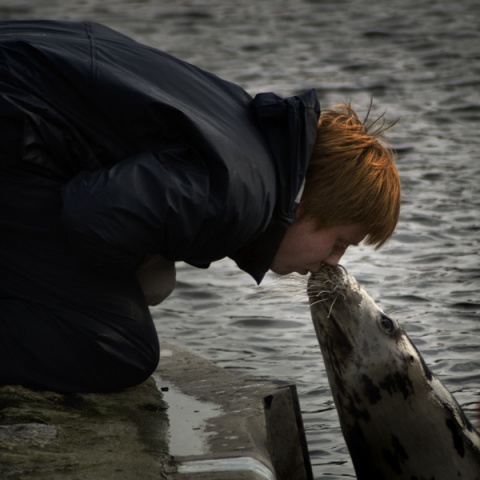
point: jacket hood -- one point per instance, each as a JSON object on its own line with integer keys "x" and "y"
{"x": 290, "y": 127}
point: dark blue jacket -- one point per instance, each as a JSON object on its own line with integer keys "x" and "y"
{"x": 155, "y": 155}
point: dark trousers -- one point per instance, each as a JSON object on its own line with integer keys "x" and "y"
{"x": 63, "y": 326}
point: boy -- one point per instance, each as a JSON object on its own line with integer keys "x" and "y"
{"x": 119, "y": 160}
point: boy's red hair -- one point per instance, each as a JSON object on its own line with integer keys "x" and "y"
{"x": 352, "y": 177}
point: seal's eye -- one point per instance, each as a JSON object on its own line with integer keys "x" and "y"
{"x": 386, "y": 324}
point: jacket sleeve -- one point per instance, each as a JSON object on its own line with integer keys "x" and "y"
{"x": 152, "y": 202}
{"x": 155, "y": 155}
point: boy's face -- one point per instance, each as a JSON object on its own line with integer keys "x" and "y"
{"x": 304, "y": 249}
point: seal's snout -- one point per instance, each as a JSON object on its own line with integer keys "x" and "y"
{"x": 327, "y": 273}
{"x": 330, "y": 271}
{"x": 327, "y": 281}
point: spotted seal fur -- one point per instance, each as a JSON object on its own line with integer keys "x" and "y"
{"x": 398, "y": 420}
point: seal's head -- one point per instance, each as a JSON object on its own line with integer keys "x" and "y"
{"x": 352, "y": 328}
{"x": 398, "y": 420}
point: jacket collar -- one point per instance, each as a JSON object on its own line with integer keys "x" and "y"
{"x": 290, "y": 128}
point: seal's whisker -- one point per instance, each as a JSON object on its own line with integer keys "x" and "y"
{"x": 290, "y": 286}
{"x": 322, "y": 292}
{"x": 292, "y": 296}
{"x": 320, "y": 300}
{"x": 316, "y": 291}
{"x": 331, "y": 307}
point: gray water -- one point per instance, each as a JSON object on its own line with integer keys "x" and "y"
{"x": 419, "y": 61}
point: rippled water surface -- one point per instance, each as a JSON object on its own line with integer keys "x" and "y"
{"x": 419, "y": 61}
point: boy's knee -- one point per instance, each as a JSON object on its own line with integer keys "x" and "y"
{"x": 71, "y": 352}
{"x": 125, "y": 366}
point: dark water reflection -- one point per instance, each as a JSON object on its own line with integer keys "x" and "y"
{"x": 419, "y": 60}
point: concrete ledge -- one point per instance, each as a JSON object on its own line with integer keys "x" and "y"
{"x": 191, "y": 420}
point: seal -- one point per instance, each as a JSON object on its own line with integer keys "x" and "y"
{"x": 398, "y": 420}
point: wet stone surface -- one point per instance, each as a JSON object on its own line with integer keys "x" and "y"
{"x": 54, "y": 436}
